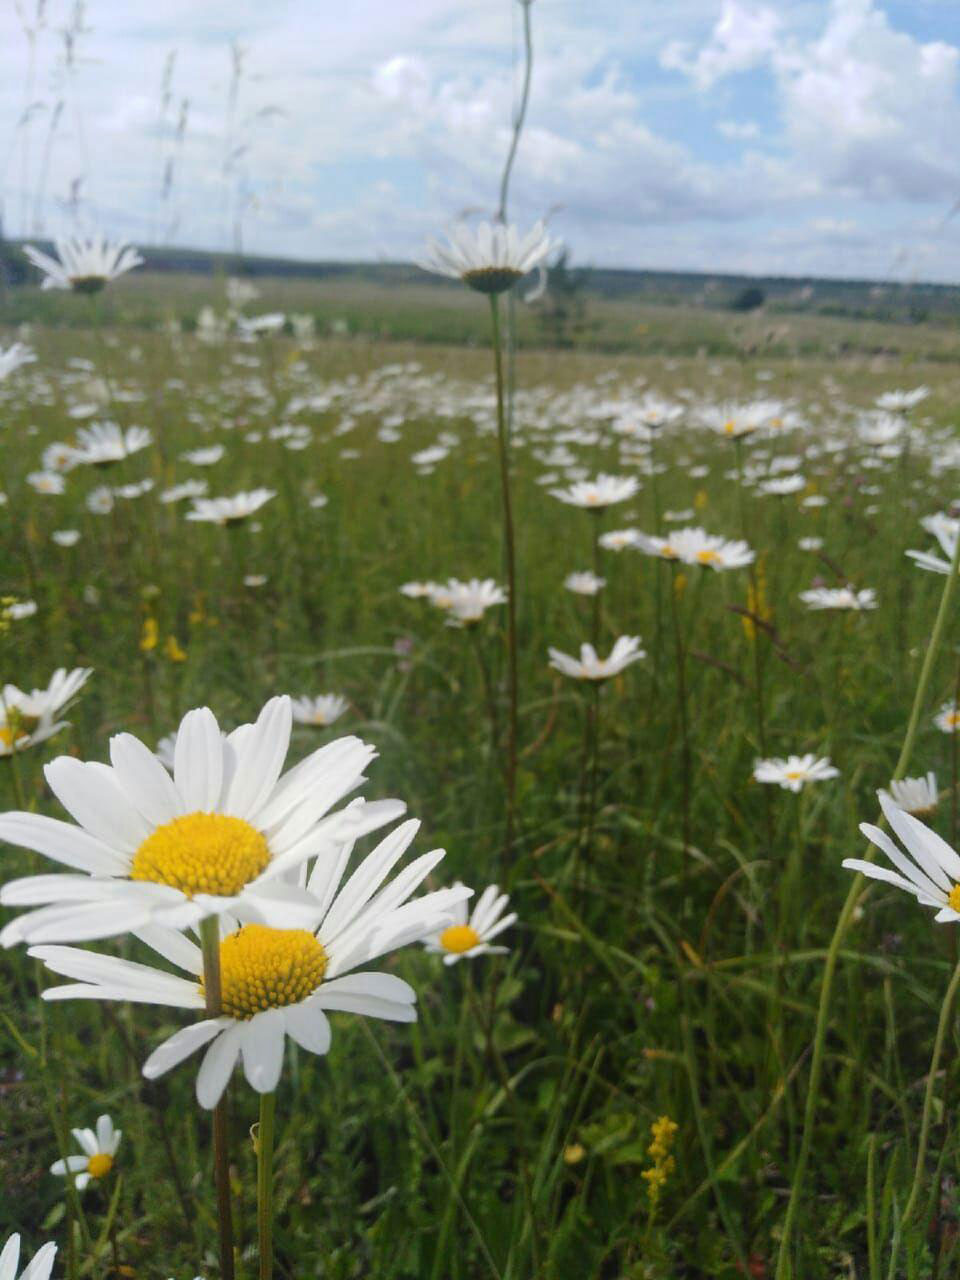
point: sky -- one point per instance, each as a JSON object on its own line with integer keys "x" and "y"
{"x": 791, "y": 137}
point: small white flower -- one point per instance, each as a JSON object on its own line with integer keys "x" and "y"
{"x": 591, "y": 667}
{"x": 27, "y": 719}
{"x": 584, "y": 584}
{"x": 13, "y": 358}
{"x": 781, "y": 486}
{"x": 839, "y": 598}
{"x": 320, "y": 711}
{"x": 795, "y": 772}
{"x": 189, "y": 489}
{"x": 597, "y": 495}
{"x": 466, "y": 602}
{"x": 620, "y": 539}
{"x": 104, "y": 443}
{"x": 230, "y": 511}
{"x": 99, "y": 1149}
{"x": 51, "y": 482}
{"x": 204, "y": 457}
{"x": 902, "y": 401}
{"x": 65, "y": 537}
{"x": 915, "y": 795}
{"x": 947, "y": 718}
{"x": 466, "y": 938}
{"x": 810, "y": 544}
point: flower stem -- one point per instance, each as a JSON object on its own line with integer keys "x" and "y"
{"x": 946, "y": 1010}
{"x": 784, "y": 1268}
{"x": 268, "y": 1105}
{"x": 210, "y": 938}
{"x": 509, "y": 554}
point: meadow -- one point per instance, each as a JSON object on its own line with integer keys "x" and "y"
{"x": 675, "y": 917}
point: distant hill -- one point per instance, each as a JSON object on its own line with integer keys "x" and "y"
{"x": 858, "y": 299}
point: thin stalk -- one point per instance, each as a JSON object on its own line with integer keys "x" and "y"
{"x": 946, "y": 1010}
{"x": 681, "y": 660}
{"x": 265, "y": 1132}
{"x": 595, "y": 616}
{"x": 591, "y": 752}
{"x": 510, "y": 558}
{"x": 521, "y": 110}
{"x": 210, "y": 939}
{"x": 784, "y": 1268}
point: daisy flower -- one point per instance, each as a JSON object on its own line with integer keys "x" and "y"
{"x": 17, "y": 610}
{"x": 795, "y": 772}
{"x": 51, "y": 482}
{"x": 230, "y": 511}
{"x": 902, "y": 401}
{"x": 99, "y": 501}
{"x": 465, "y": 938}
{"x": 839, "y": 598}
{"x": 14, "y": 358}
{"x": 278, "y": 982}
{"x": 27, "y": 719}
{"x": 591, "y": 667}
{"x": 38, "y": 1268}
{"x": 738, "y": 420}
{"x": 915, "y": 795}
{"x": 597, "y": 495}
{"x": 99, "y": 1149}
{"x": 84, "y": 266}
{"x": 947, "y": 718}
{"x": 697, "y": 547}
{"x": 584, "y": 584}
{"x": 467, "y": 602}
{"x": 490, "y": 258}
{"x": 620, "y": 539}
{"x": 931, "y": 872}
{"x": 204, "y": 457}
{"x": 65, "y": 537}
{"x": 321, "y": 710}
{"x": 220, "y": 835}
{"x": 418, "y": 590}
{"x": 189, "y": 489}
{"x": 946, "y": 531}
{"x": 781, "y": 486}
{"x": 104, "y": 443}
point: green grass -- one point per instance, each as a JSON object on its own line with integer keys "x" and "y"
{"x": 683, "y": 982}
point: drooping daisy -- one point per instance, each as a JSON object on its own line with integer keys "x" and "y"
{"x": 491, "y": 257}
{"x": 839, "y": 598}
{"x": 27, "y": 719}
{"x": 84, "y": 266}
{"x": 597, "y": 495}
{"x": 189, "y": 489}
{"x": 204, "y": 457}
{"x": 230, "y": 511}
{"x": 320, "y": 711}
{"x": 104, "y": 443}
{"x": 931, "y": 872}
{"x": 795, "y": 772}
{"x": 38, "y": 1268}
{"x": 902, "y": 401}
{"x": 15, "y": 356}
{"x": 915, "y": 795}
{"x": 591, "y": 667}
{"x": 282, "y": 981}
{"x": 220, "y": 835}
{"x": 466, "y": 938}
{"x": 584, "y": 584}
{"x": 99, "y": 1149}
{"x": 465, "y": 603}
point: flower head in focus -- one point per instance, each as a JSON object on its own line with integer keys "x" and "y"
{"x": 929, "y": 869}
{"x": 85, "y": 266}
{"x": 491, "y": 257}
{"x": 467, "y": 937}
{"x": 793, "y": 773}
{"x": 591, "y": 667}
{"x": 99, "y": 1149}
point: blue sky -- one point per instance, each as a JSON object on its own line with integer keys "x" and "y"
{"x": 815, "y": 136}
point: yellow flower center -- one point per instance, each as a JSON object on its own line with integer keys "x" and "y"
{"x": 17, "y": 729}
{"x": 794, "y": 775}
{"x": 730, "y": 426}
{"x": 202, "y": 853}
{"x": 263, "y": 968}
{"x": 459, "y": 938}
{"x": 99, "y": 1166}
{"x": 953, "y": 898}
{"x": 668, "y": 552}
{"x": 707, "y": 556}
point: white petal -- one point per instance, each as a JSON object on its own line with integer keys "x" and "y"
{"x": 307, "y": 1024}
{"x": 198, "y": 761}
{"x": 260, "y": 759}
{"x": 261, "y": 1043}
{"x": 91, "y": 794}
{"x": 40, "y": 1265}
{"x": 180, "y": 1046}
{"x": 144, "y": 779}
{"x": 218, "y": 1063}
{"x": 63, "y": 842}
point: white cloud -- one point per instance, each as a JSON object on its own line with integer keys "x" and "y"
{"x": 744, "y": 36}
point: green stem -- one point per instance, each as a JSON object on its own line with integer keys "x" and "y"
{"x": 268, "y": 1105}
{"x": 510, "y": 557}
{"x": 784, "y": 1269}
{"x": 210, "y": 939}
{"x": 946, "y": 1010}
